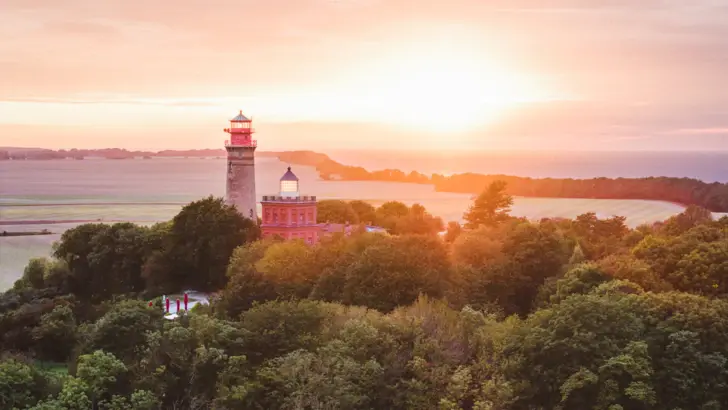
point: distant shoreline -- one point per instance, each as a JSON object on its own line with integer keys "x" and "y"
{"x": 32, "y": 233}
{"x": 682, "y": 191}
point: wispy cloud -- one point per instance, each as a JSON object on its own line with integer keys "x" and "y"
{"x": 701, "y": 131}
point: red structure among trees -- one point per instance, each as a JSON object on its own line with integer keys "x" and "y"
{"x": 288, "y": 214}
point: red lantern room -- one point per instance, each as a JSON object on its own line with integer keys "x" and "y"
{"x": 241, "y": 132}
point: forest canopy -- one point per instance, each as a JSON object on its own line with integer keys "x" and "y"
{"x": 505, "y": 313}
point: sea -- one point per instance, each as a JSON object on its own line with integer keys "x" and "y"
{"x": 59, "y": 194}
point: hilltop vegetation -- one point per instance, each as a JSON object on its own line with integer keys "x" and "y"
{"x": 503, "y": 314}
{"x": 685, "y": 191}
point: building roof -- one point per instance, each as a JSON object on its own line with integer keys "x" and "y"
{"x": 240, "y": 117}
{"x": 289, "y": 176}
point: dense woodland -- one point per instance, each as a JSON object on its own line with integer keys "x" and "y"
{"x": 686, "y": 191}
{"x": 502, "y": 313}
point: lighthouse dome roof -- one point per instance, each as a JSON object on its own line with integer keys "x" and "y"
{"x": 289, "y": 176}
{"x": 240, "y": 117}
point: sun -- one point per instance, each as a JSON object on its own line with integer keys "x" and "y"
{"x": 440, "y": 89}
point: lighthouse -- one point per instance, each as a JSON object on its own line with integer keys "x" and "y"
{"x": 240, "y": 186}
{"x": 288, "y": 214}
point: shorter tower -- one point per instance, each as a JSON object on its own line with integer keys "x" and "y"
{"x": 288, "y": 214}
{"x": 240, "y": 185}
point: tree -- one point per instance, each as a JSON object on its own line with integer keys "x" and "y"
{"x": 581, "y": 279}
{"x": 198, "y": 246}
{"x": 33, "y": 274}
{"x": 327, "y": 378}
{"x": 535, "y": 253}
{"x": 55, "y": 337}
{"x": 389, "y": 213}
{"x": 290, "y": 268}
{"x": 490, "y": 208}
{"x": 627, "y": 267}
{"x": 478, "y": 248}
{"x": 365, "y": 212}
{"x": 453, "y": 231}
{"x": 246, "y": 285}
{"x": 21, "y": 385}
{"x": 704, "y": 270}
{"x": 102, "y": 373}
{"x": 691, "y": 217}
{"x": 75, "y": 247}
{"x": 394, "y": 272}
{"x": 417, "y": 222}
{"x": 277, "y": 328}
{"x": 104, "y": 260}
{"x": 585, "y": 332}
{"x": 333, "y": 258}
{"x": 121, "y": 331}
{"x": 506, "y": 267}
{"x": 335, "y": 211}
{"x": 599, "y": 237}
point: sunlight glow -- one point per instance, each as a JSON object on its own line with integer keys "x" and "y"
{"x": 441, "y": 88}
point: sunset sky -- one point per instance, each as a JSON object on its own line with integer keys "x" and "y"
{"x": 366, "y": 74}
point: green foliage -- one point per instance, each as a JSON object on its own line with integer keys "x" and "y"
{"x": 21, "y": 385}
{"x": 579, "y": 280}
{"x": 290, "y": 267}
{"x": 105, "y": 260}
{"x": 560, "y": 314}
{"x": 365, "y": 212}
{"x": 33, "y": 274}
{"x": 478, "y": 248}
{"x": 509, "y": 272}
{"x": 396, "y": 217}
{"x": 394, "y": 272}
{"x": 691, "y": 217}
{"x": 490, "y": 208}
{"x": 276, "y": 328}
{"x": 453, "y": 231}
{"x": 599, "y": 237}
{"x": 328, "y": 378}
{"x": 417, "y": 221}
{"x": 100, "y": 373}
{"x": 246, "y": 285}
{"x": 123, "y": 329}
{"x": 198, "y": 246}
{"x": 335, "y": 211}
{"x": 55, "y": 336}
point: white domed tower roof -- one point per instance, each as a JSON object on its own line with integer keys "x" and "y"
{"x": 289, "y": 184}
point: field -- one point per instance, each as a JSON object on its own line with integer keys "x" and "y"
{"x": 155, "y": 190}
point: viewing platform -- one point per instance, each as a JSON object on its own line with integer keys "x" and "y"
{"x": 251, "y": 143}
{"x": 239, "y": 130}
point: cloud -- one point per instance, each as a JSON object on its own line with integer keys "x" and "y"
{"x": 702, "y": 131}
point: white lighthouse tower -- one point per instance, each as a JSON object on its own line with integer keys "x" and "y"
{"x": 240, "y": 188}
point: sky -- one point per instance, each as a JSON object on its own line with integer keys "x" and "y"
{"x": 366, "y": 74}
